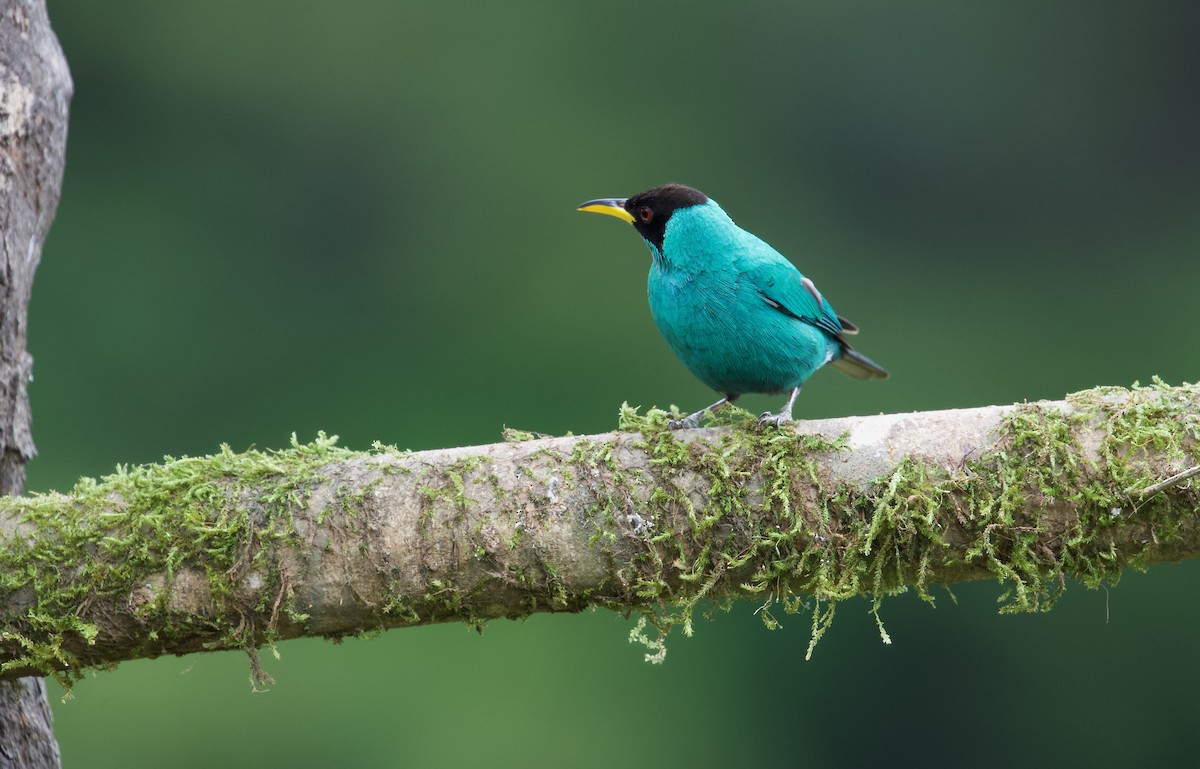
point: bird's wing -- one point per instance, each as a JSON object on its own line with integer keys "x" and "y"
{"x": 790, "y": 292}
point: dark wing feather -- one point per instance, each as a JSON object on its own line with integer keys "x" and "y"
{"x": 793, "y": 294}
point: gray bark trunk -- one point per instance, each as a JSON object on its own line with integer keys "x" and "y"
{"x": 35, "y": 89}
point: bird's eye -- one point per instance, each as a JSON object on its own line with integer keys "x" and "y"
{"x": 645, "y": 214}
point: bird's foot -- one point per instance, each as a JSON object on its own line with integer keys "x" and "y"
{"x": 774, "y": 420}
{"x": 692, "y": 421}
{"x": 689, "y": 422}
{"x": 783, "y": 417}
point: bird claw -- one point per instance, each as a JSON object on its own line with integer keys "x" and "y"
{"x": 687, "y": 423}
{"x": 775, "y": 420}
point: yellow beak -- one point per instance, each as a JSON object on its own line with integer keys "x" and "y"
{"x": 611, "y": 206}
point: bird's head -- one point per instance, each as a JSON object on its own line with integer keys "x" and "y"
{"x": 649, "y": 211}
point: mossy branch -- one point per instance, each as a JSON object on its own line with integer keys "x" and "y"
{"x": 238, "y": 550}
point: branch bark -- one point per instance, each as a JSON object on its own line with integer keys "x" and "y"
{"x": 240, "y": 550}
{"x": 35, "y": 89}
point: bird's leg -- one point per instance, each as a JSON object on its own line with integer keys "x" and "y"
{"x": 784, "y": 415}
{"x": 693, "y": 420}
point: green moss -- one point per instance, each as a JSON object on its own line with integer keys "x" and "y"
{"x": 222, "y": 512}
{"x": 353, "y": 500}
{"x": 694, "y": 546}
{"x": 1041, "y": 465}
{"x": 513, "y": 435}
{"x": 827, "y": 542}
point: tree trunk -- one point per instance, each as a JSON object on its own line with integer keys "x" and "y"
{"x": 35, "y": 89}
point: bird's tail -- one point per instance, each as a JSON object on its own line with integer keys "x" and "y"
{"x": 857, "y": 365}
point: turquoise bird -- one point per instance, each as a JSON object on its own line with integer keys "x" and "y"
{"x": 738, "y": 314}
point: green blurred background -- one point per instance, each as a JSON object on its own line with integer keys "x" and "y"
{"x": 359, "y": 217}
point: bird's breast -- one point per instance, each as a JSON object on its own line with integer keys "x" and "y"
{"x": 728, "y": 336}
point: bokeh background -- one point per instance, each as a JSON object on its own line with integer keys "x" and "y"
{"x": 359, "y": 217}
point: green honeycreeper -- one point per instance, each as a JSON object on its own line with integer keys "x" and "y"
{"x": 738, "y": 314}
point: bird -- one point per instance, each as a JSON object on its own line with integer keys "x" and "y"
{"x": 736, "y": 312}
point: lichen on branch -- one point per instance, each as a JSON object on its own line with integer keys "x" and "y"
{"x": 240, "y": 550}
